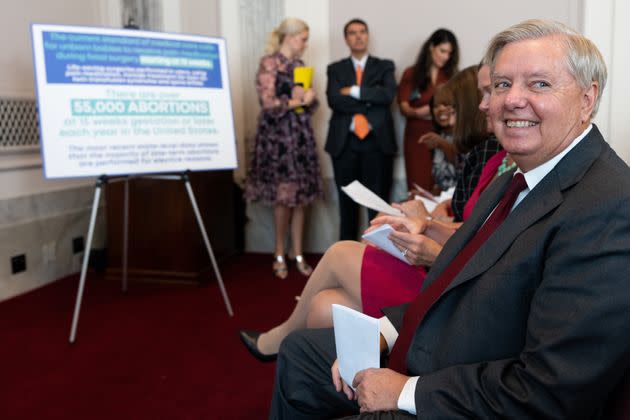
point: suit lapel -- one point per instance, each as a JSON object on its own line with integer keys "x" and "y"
{"x": 348, "y": 72}
{"x": 541, "y": 200}
{"x": 546, "y": 196}
{"x": 487, "y": 201}
{"x": 368, "y": 71}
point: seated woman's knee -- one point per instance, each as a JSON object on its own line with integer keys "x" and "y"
{"x": 320, "y": 312}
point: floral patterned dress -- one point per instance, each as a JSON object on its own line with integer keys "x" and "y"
{"x": 284, "y": 168}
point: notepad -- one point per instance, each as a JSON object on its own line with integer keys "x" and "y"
{"x": 380, "y": 238}
{"x": 357, "y": 340}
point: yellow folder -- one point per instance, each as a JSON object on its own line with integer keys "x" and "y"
{"x": 303, "y": 76}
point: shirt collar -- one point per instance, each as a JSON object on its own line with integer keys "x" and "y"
{"x": 360, "y": 62}
{"x": 534, "y": 176}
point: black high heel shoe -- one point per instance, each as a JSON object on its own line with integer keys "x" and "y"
{"x": 250, "y": 340}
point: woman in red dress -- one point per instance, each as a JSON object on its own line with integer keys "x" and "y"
{"x": 436, "y": 63}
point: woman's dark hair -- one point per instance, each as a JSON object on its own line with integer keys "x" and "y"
{"x": 421, "y": 76}
{"x": 470, "y": 123}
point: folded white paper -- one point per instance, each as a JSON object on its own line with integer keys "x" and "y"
{"x": 431, "y": 204}
{"x": 360, "y": 194}
{"x": 380, "y": 238}
{"x": 357, "y": 340}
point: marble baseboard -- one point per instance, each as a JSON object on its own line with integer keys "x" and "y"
{"x": 42, "y": 228}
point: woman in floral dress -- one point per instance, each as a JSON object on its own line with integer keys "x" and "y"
{"x": 284, "y": 170}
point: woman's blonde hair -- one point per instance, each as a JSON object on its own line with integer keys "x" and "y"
{"x": 289, "y": 26}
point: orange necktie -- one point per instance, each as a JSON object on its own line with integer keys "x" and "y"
{"x": 361, "y": 126}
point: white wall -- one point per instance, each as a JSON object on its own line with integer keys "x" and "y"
{"x": 200, "y": 17}
{"x": 16, "y": 78}
{"x": 605, "y": 22}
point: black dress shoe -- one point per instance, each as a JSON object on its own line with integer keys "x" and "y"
{"x": 250, "y": 339}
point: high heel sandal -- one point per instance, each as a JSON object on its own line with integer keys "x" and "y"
{"x": 279, "y": 266}
{"x": 302, "y": 266}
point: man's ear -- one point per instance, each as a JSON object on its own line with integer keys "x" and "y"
{"x": 589, "y": 97}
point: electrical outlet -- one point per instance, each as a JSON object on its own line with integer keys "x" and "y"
{"x": 18, "y": 263}
{"x": 77, "y": 245}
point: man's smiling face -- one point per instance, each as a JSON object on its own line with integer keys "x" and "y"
{"x": 537, "y": 107}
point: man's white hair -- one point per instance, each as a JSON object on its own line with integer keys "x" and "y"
{"x": 583, "y": 59}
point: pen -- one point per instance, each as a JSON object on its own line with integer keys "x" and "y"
{"x": 424, "y": 192}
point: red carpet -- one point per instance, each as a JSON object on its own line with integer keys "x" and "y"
{"x": 157, "y": 352}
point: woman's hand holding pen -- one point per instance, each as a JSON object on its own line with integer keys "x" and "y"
{"x": 412, "y": 208}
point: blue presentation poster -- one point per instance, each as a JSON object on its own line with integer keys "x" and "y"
{"x": 120, "y": 102}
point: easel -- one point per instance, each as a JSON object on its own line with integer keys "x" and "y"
{"x": 100, "y": 183}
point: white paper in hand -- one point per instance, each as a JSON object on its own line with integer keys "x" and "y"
{"x": 360, "y": 194}
{"x": 357, "y": 340}
{"x": 431, "y": 203}
{"x": 380, "y": 238}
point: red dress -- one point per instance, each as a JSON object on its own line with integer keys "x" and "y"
{"x": 387, "y": 281}
{"x": 418, "y": 159}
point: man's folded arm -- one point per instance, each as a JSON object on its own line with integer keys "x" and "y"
{"x": 382, "y": 94}
{"x": 339, "y": 102}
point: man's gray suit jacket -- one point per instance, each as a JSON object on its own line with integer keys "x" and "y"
{"x": 537, "y": 324}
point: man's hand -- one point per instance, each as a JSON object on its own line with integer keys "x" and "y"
{"x": 339, "y": 383}
{"x": 345, "y": 90}
{"x": 378, "y": 389}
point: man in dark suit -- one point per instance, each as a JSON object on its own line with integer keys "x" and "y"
{"x": 361, "y": 139}
{"x": 525, "y": 317}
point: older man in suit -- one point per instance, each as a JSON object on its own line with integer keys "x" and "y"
{"x": 525, "y": 312}
{"x": 361, "y": 139}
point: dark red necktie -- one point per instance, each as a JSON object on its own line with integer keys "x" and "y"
{"x": 419, "y": 307}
